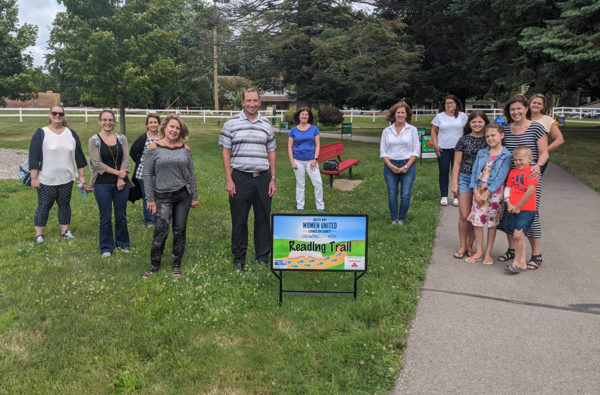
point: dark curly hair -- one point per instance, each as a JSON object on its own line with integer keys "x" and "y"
{"x": 311, "y": 119}
{"x": 457, "y": 109}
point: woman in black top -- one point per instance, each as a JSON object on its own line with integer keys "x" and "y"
{"x": 465, "y": 153}
{"x": 109, "y": 159}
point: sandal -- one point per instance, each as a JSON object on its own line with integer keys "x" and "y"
{"x": 514, "y": 269}
{"x": 148, "y": 274}
{"x": 535, "y": 262}
{"x": 176, "y": 271}
{"x": 472, "y": 259}
{"x": 508, "y": 255}
{"x": 459, "y": 255}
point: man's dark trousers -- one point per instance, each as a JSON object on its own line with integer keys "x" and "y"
{"x": 250, "y": 191}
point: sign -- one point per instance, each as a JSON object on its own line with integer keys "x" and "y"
{"x": 427, "y": 151}
{"x": 347, "y": 130}
{"x": 561, "y": 122}
{"x": 421, "y": 132}
{"x": 283, "y": 126}
{"x": 319, "y": 242}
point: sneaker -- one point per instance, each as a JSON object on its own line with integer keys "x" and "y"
{"x": 444, "y": 201}
{"x": 300, "y": 209}
{"x": 125, "y": 250}
{"x": 455, "y": 202}
{"x": 39, "y": 239}
{"x": 322, "y": 210}
{"x": 106, "y": 255}
{"x": 68, "y": 235}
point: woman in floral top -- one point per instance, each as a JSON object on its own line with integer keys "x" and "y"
{"x": 464, "y": 157}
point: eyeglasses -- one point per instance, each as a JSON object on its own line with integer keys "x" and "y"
{"x": 60, "y": 114}
{"x": 106, "y": 120}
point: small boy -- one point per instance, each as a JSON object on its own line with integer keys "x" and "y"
{"x": 519, "y": 195}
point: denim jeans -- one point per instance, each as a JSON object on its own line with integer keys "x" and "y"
{"x": 108, "y": 195}
{"x": 445, "y": 161}
{"x": 169, "y": 207}
{"x": 148, "y": 217}
{"x": 406, "y": 181}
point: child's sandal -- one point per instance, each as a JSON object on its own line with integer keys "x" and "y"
{"x": 535, "y": 262}
{"x": 509, "y": 255}
{"x": 176, "y": 271}
{"x": 148, "y": 274}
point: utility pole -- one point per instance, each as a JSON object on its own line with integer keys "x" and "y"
{"x": 216, "y": 58}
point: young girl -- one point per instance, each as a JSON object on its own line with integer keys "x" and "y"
{"x": 487, "y": 180}
{"x": 464, "y": 157}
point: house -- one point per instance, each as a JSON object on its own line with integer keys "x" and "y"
{"x": 44, "y": 100}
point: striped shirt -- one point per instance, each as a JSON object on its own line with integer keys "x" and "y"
{"x": 249, "y": 142}
{"x": 139, "y": 174}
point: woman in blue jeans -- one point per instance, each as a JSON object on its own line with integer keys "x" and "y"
{"x": 109, "y": 163}
{"x": 400, "y": 148}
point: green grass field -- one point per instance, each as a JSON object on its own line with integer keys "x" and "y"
{"x": 74, "y": 323}
{"x": 579, "y": 156}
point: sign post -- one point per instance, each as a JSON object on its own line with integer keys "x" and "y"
{"x": 346, "y": 130}
{"x": 319, "y": 243}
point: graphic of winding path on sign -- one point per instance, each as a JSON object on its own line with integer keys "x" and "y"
{"x": 314, "y": 260}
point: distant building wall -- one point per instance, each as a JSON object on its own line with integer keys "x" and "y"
{"x": 44, "y": 100}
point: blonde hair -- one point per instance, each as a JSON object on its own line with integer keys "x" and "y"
{"x": 184, "y": 131}
{"x": 522, "y": 149}
{"x": 391, "y": 116}
{"x": 64, "y": 122}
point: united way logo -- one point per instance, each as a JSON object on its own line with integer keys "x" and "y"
{"x": 280, "y": 264}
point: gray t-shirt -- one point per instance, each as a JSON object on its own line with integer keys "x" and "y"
{"x": 169, "y": 170}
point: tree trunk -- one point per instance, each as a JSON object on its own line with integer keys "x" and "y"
{"x": 122, "y": 114}
{"x": 540, "y": 80}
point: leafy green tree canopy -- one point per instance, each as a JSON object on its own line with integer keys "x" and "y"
{"x": 117, "y": 52}
{"x": 18, "y": 79}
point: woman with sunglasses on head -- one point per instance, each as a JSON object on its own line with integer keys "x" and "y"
{"x": 109, "y": 159}
{"x": 171, "y": 189}
{"x": 138, "y": 152}
{"x": 447, "y": 128}
{"x": 55, "y": 161}
{"x": 537, "y": 108}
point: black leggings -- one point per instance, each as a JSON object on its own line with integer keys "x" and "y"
{"x": 47, "y": 195}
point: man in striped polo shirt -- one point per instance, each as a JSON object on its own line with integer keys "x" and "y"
{"x": 248, "y": 142}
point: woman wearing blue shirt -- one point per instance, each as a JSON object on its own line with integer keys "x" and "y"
{"x": 303, "y": 150}
{"x": 400, "y": 148}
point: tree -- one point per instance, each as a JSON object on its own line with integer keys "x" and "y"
{"x": 18, "y": 79}
{"x": 572, "y": 43}
{"x": 116, "y": 52}
{"x": 330, "y": 53}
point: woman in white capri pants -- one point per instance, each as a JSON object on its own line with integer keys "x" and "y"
{"x": 303, "y": 149}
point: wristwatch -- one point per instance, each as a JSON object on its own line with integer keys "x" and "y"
{"x": 317, "y": 159}
{"x": 507, "y": 199}
{"x": 406, "y": 167}
{"x": 121, "y": 178}
{"x": 273, "y": 177}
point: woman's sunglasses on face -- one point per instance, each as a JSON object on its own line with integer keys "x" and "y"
{"x": 60, "y": 114}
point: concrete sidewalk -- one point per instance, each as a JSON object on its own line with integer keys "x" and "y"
{"x": 481, "y": 330}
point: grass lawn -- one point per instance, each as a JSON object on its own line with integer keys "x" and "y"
{"x": 579, "y": 156}
{"x": 74, "y": 323}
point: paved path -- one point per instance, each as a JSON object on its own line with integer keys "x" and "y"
{"x": 481, "y": 330}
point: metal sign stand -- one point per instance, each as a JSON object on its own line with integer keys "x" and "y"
{"x": 284, "y": 291}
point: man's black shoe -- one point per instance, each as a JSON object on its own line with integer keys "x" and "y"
{"x": 265, "y": 264}
{"x": 239, "y": 266}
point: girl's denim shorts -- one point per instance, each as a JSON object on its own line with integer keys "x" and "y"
{"x": 464, "y": 180}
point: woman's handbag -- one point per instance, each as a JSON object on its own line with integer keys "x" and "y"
{"x": 331, "y": 165}
{"x": 24, "y": 174}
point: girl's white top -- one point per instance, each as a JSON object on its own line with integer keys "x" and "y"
{"x": 400, "y": 146}
{"x": 58, "y": 166}
{"x": 451, "y": 129}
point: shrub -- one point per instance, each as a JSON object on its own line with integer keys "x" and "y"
{"x": 331, "y": 116}
{"x": 288, "y": 116}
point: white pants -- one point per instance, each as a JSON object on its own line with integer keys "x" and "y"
{"x": 315, "y": 178}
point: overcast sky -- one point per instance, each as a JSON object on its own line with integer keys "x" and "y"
{"x": 40, "y": 13}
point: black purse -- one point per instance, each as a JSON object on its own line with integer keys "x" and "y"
{"x": 331, "y": 165}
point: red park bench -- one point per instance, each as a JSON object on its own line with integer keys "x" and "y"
{"x": 330, "y": 151}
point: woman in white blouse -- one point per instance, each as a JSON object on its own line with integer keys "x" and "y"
{"x": 400, "y": 148}
{"x": 55, "y": 161}
{"x": 446, "y": 130}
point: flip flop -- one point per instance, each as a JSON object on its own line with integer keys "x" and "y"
{"x": 473, "y": 260}
{"x": 486, "y": 262}
{"x": 514, "y": 269}
{"x": 462, "y": 255}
